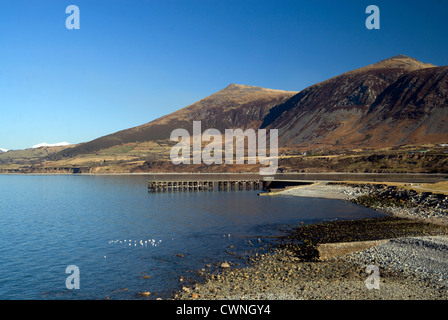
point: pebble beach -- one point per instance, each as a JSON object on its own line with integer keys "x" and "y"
{"x": 408, "y": 247}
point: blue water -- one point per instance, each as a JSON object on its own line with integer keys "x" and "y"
{"x": 116, "y": 232}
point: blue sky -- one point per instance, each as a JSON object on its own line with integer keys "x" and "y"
{"x": 133, "y": 61}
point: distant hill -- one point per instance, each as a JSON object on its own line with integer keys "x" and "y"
{"x": 29, "y": 155}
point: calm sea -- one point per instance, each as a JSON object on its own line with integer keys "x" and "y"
{"x": 125, "y": 240}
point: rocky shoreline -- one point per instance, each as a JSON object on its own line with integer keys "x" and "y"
{"x": 428, "y": 206}
{"x": 411, "y": 259}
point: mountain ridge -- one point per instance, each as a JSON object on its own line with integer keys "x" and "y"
{"x": 398, "y": 101}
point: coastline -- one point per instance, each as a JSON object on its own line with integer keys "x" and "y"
{"x": 315, "y": 190}
{"x": 328, "y": 261}
{"x": 402, "y": 200}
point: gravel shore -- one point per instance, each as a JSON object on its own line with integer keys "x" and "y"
{"x": 412, "y": 262}
{"x": 424, "y": 257}
{"x": 281, "y": 276}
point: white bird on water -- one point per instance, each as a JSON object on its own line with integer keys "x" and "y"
{"x": 152, "y": 242}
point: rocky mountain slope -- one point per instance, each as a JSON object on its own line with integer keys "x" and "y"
{"x": 413, "y": 110}
{"x": 350, "y": 110}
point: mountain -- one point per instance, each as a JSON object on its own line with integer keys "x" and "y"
{"x": 3, "y": 150}
{"x": 349, "y": 110}
{"x": 236, "y": 106}
{"x": 377, "y": 118}
{"x": 413, "y": 110}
